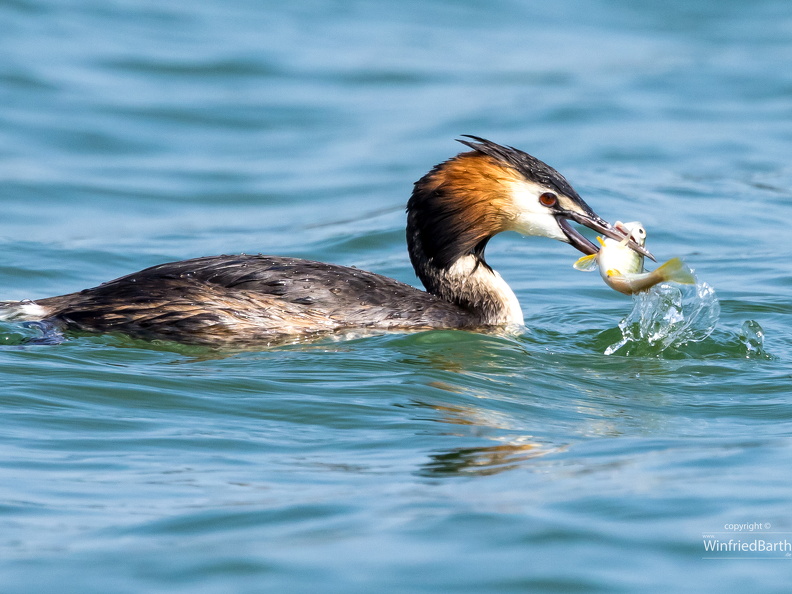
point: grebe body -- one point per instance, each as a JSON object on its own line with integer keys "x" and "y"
{"x": 241, "y": 299}
{"x": 249, "y": 299}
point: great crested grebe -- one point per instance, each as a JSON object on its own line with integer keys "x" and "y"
{"x": 453, "y": 212}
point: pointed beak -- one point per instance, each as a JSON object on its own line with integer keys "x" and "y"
{"x": 592, "y": 221}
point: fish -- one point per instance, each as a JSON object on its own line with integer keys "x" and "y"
{"x": 622, "y": 269}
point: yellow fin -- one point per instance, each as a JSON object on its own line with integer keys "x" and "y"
{"x": 675, "y": 270}
{"x": 601, "y": 241}
{"x": 613, "y": 272}
{"x": 586, "y": 263}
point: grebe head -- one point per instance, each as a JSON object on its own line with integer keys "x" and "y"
{"x": 458, "y": 206}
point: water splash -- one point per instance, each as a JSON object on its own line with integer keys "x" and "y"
{"x": 752, "y": 338}
{"x": 14, "y": 334}
{"x": 668, "y": 315}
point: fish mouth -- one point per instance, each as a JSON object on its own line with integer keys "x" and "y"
{"x": 599, "y": 225}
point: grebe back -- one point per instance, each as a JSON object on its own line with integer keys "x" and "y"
{"x": 453, "y": 212}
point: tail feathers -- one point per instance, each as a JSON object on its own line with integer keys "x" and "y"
{"x": 675, "y": 270}
{"x": 21, "y": 310}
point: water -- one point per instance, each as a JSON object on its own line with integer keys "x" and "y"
{"x": 670, "y": 316}
{"x": 134, "y": 133}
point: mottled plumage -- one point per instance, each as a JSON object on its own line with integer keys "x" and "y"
{"x": 233, "y": 299}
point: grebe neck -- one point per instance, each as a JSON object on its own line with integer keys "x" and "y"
{"x": 470, "y": 283}
{"x": 453, "y": 212}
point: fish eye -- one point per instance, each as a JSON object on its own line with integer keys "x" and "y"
{"x": 548, "y": 199}
{"x": 641, "y": 232}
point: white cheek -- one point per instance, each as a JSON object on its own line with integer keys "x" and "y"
{"x": 532, "y": 217}
{"x": 542, "y": 224}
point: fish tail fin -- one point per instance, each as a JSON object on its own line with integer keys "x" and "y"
{"x": 675, "y": 270}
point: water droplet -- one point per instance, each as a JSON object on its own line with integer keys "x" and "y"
{"x": 752, "y": 338}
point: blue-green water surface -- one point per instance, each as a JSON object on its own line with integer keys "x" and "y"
{"x": 139, "y": 132}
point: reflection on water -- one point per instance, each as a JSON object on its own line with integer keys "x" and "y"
{"x": 509, "y": 453}
{"x": 483, "y": 461}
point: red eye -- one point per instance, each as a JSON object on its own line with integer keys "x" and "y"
{"x": 548, "y": 199}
